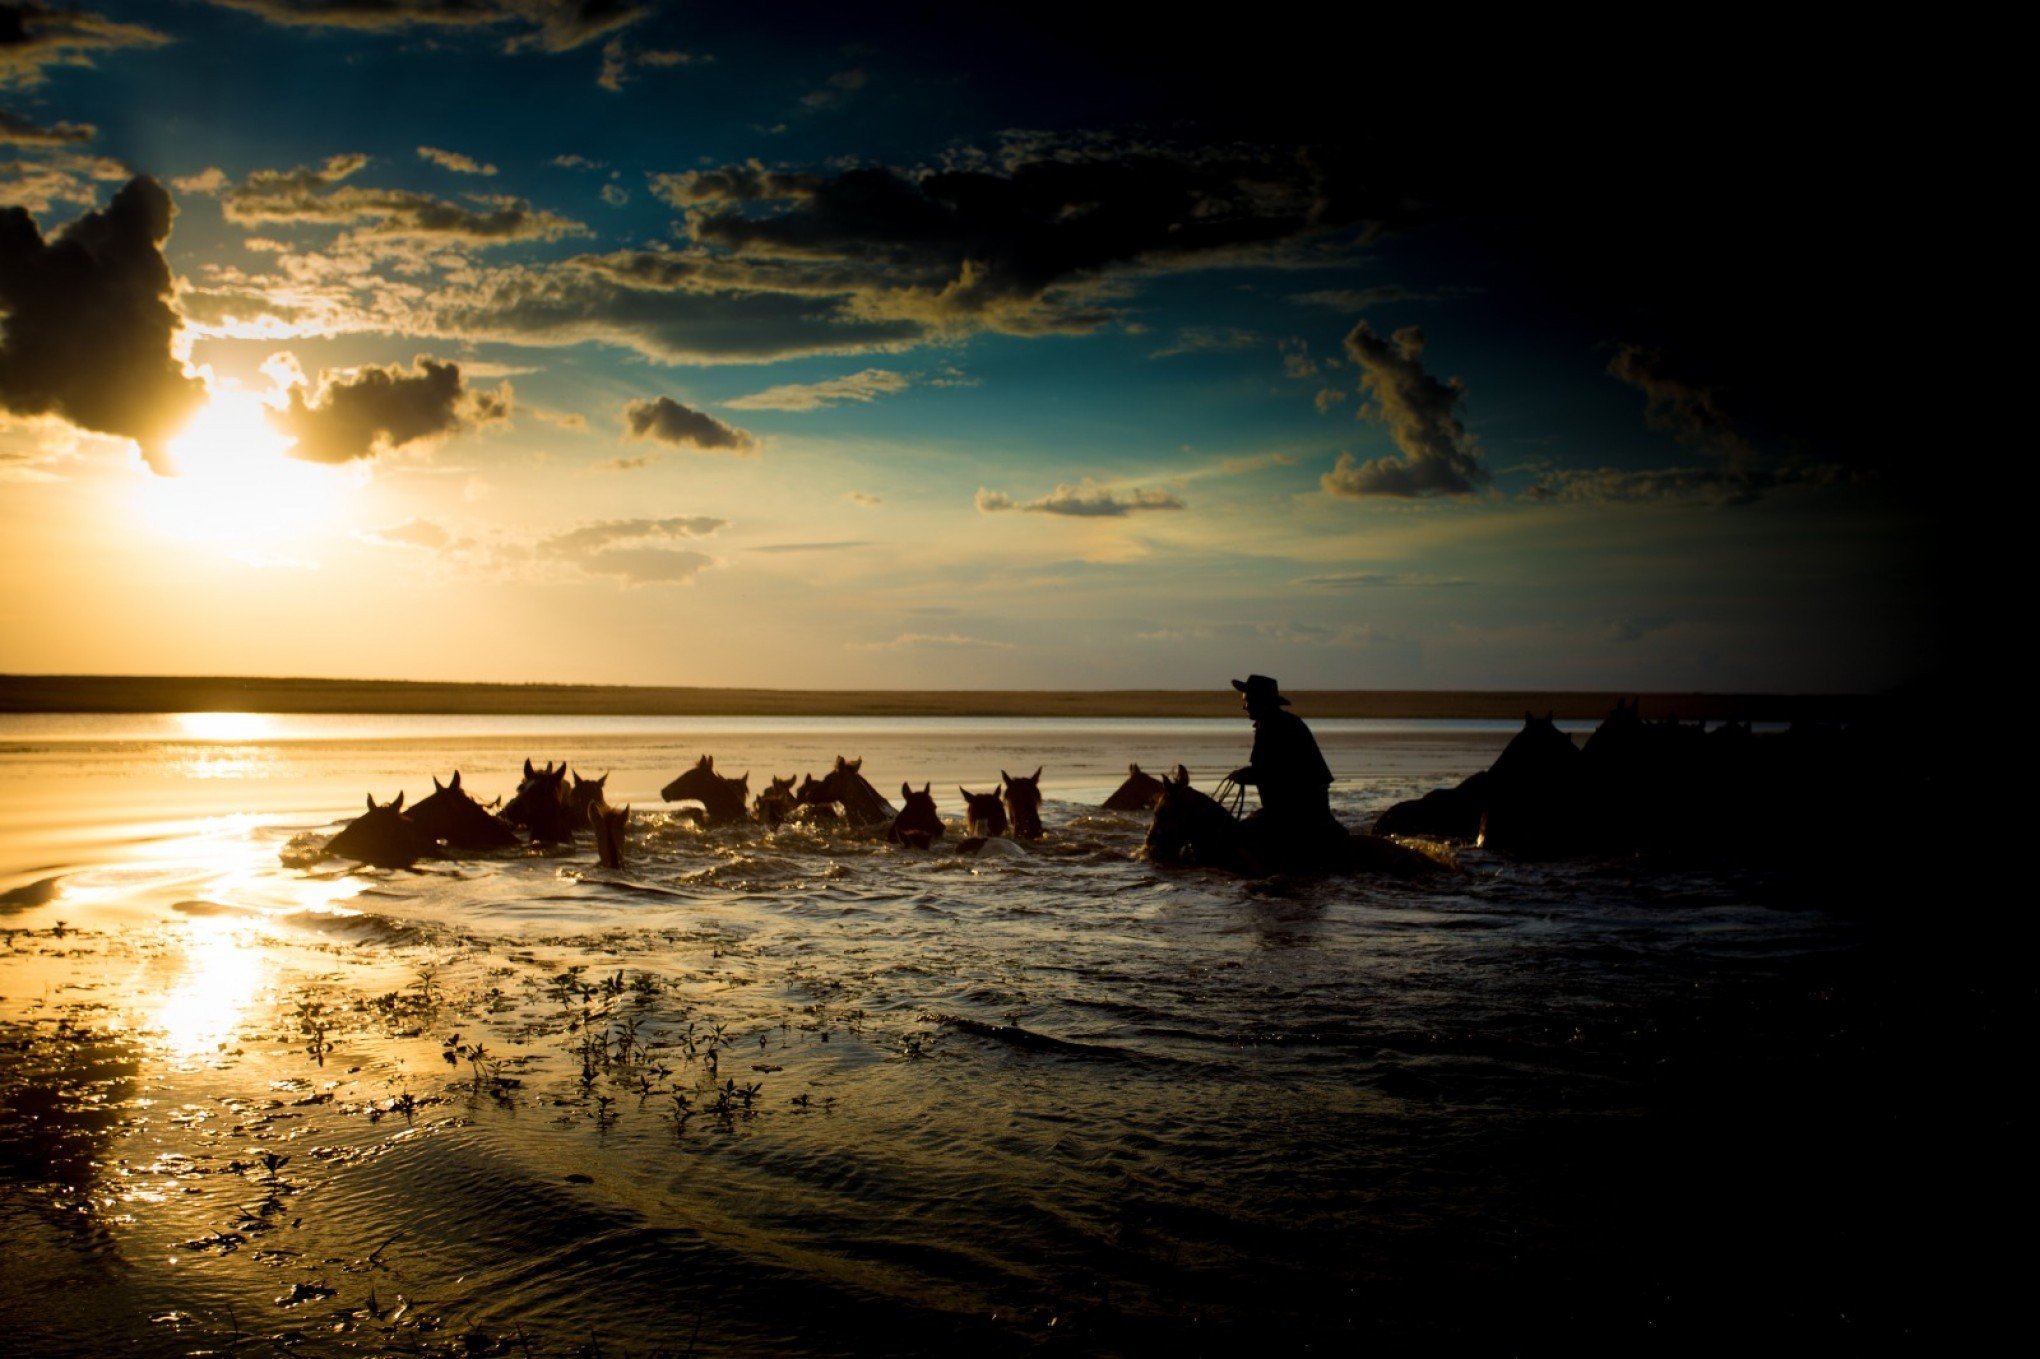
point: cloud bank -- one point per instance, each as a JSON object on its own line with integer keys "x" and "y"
{"x": 1437, "y": 454}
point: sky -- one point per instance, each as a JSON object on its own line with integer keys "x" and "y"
{"x": 880, "y": 346}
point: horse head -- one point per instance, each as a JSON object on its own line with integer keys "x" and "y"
{"x": 918, "y": 823}
{"x": 983, "y": 813}
{"x": 1023, "y": 803}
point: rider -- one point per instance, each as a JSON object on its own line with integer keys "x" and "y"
{"x": 1287, "y": 769}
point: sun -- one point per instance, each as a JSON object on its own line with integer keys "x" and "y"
{"x": 235, "y": 486}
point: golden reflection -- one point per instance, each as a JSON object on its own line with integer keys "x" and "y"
{"x": 223, "y": 968}
{"x": 225, "y": 726}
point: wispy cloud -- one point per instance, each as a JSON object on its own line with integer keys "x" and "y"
{"x": 911, "y": 640}
{"x": 866, "y": 386}
{"x": 455, "y": 161}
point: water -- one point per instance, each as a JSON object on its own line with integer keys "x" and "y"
{"x": 1031, "y": 1100}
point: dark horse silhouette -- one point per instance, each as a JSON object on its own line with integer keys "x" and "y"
{"x": 1023, "y": 804}
{"x": 1533, "y": 793}
{"x": 585, "y": 793}
{"x": 983, "y": 813}
{"x": 457, "y": 819}
{"x": 723, "y": 799}
{"x": 776, "y": 803}
{"x": 381, "y": 837}
{"x": 845, "y": 786}
{"x": 918, "y": 825}
{"x": 1192, "y": 828}
{"x": 1137, "y": 794}
{"x": 541, "y": 806}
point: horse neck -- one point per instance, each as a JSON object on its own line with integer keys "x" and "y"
{"x": 861, "y": 800}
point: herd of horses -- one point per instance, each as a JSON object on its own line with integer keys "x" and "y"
{"x": 1635, "y": 786}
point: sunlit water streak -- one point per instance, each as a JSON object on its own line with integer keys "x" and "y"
{"x": 1039, "y": 1098}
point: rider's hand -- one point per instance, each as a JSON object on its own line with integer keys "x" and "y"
{"x": 1244, "y": 774}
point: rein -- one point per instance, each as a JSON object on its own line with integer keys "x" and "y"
{"x": 1231, "y": 796}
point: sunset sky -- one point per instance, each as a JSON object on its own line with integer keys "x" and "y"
{"x": 869, "y": 345}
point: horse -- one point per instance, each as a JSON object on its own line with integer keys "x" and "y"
{"x": 723, "y": 799}
{"x": 1192, "y": 828}
{"x": 1137, "y": 794}
{"x": 540, "y": 805}
{"x": 918, "y": 825}
{"x": 1533, "y": 793}
{"x": 1023, "y": 804}
{"x": 609, "y": 824}
{"x": 1449, "y": 813}
{"x": 382, "y": 838}
{"x": 456, "y": 818}
{"x": 983, "y": 813}
{"x": 585, "y": 794}
{"x": 861, "y": 803}
{"x": 776, "y": 803}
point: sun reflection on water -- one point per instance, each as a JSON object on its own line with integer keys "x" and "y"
{"x": 224, "y": 967}
{"x": 225, "y": 726}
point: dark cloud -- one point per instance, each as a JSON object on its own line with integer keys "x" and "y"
{"x": 604, "y": 533}
{"x": 669, "y": 422}
{"x": 618, "y": 57}
{"x": 321, "y": 195}
{"x": 88, "y": 321}
{"x": 1366, "y": 299}
{"x": 16, "y": 130}
{"x": 1019, "y": 239}
{"x": 1086, "y": 500}
{"x": 35, "y": 37}
{"x": 1384, "y": 580}
{"x": 370, "y": 411}
{"x": 548, "y": 25}
{"x": 1438, "y": 456}
{"x": 1701, "y": 485}
{"x": 1688, "y": 411}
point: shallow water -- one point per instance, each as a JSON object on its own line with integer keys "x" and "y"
{"x": 805, "y": 1092}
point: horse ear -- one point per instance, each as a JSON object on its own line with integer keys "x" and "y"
{"x": 1037, "y": 775}
{"x": 1134, "y": 770}
{"x": 371, "y": 801}
{"x": 1004, "y": 777}
{"x": 436, "y": 786}
{"x": 856, "y": 764}
{"x": 398, "y": 805}
{"x": 455, "y": 785}
{"x": 744, "y": 779}
{"x": 906, "y": 789}
{"x": 965, "y": 791}
{"x": 529, "y": 772}
{"x": 925, "y": 787}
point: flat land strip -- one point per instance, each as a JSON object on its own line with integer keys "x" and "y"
{"x": 156, "y": 694}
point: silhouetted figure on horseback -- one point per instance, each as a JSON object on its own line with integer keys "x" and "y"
{"x": 1295, "y": 818}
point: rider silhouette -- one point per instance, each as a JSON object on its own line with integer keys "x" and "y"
{"x": 1286, "y": 768}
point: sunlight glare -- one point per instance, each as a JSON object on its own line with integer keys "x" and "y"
{"x": 236, "y": 488}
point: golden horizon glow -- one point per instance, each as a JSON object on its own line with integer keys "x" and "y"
{"x": 224, "y": 726}
{"x": 236, "y": 487}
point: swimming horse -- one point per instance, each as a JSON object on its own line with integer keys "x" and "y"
{"x": 983, "y": 813}
{"x": 1023, "y": 804}
{"x": 454, "y": 817}
{"x": 845, "y": 786}
{"x": 382, "y": 838}
{"x": 1190, "y": 827}
{"x": 541, "y": 805}
{"x": 776, "y": 803}
{"x": 918, "y": 825}
{"x": 722, "y": 799}
{"x": 1137, "y": 794}
{"x": 609, "y": 824}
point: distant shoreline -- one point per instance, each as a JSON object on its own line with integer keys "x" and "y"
{"x": 162, "y": 693}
